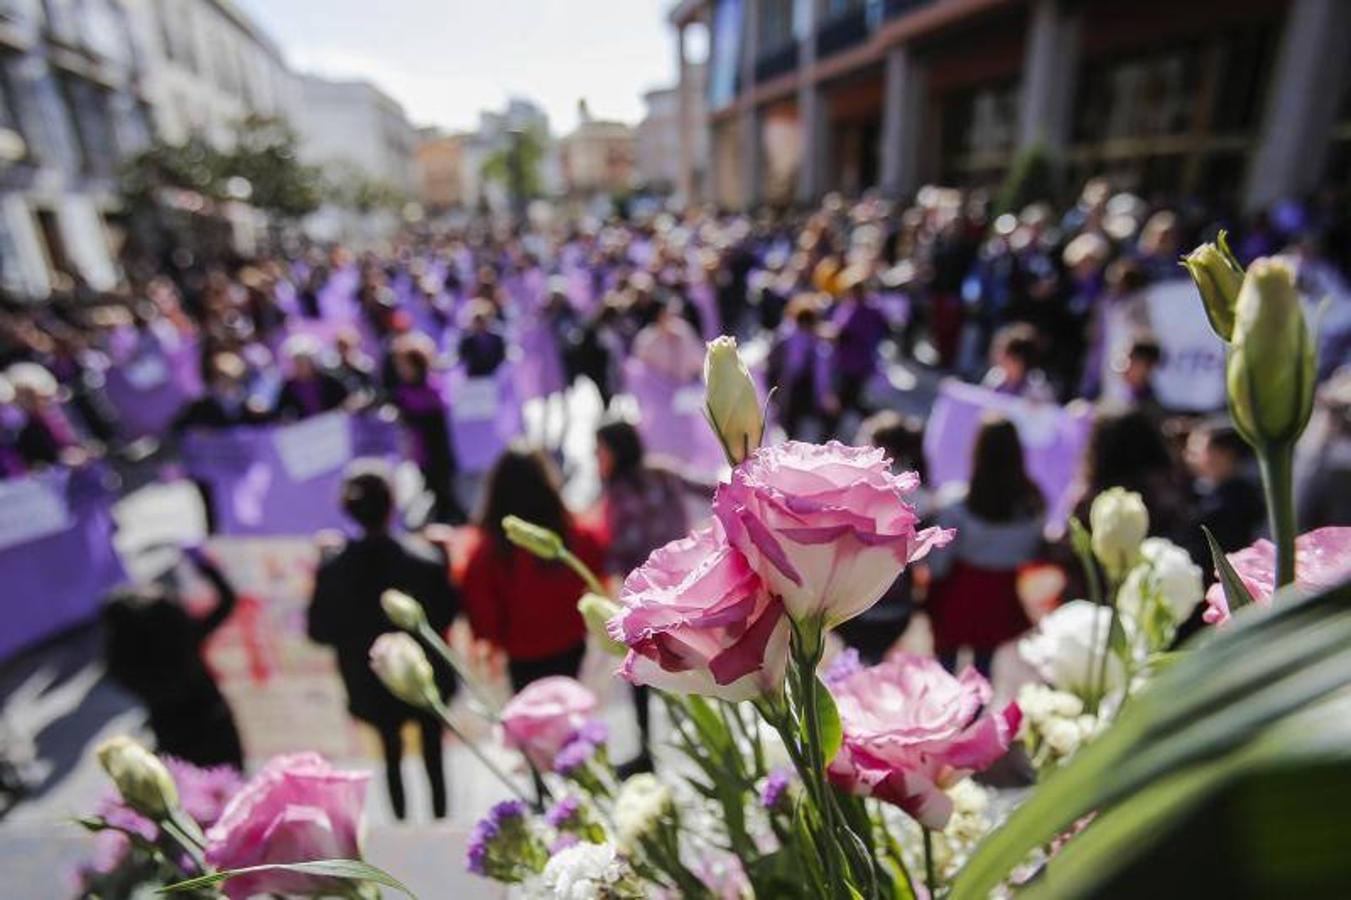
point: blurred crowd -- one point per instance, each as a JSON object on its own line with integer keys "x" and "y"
{"x": 828, "y": 304}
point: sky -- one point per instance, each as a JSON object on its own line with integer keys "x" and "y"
{"x": 445, "y": 60}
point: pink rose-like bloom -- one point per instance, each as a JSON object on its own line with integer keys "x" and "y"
{"x": 1322, "y": 559}
{"x": 698, "y": 620}
{"x": 297, "y": 809}
{"x": 826, "y": 526}
{"x": 545, "y": 715}
{"x": 912, "y": 730}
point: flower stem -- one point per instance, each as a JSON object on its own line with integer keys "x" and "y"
{"x": 569, "y": 559}
{"x": 438, "y": 643}
{"x": 1276, "y": 462}
{"x": 537, "y": 804}
{"x": 930, "y": 880}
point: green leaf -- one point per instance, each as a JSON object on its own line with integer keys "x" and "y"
{"x": 350, "y": 869}
{"x": 1235, "y": 591}
{"x": 1238, "y": 681}
{"x": 828, "y": 717}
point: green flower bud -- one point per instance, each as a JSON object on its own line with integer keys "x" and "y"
{"x": 731, "y": 402}
{"x": 142, "y": 780}
{"x": 538, "y": 540}
{"x": 598, "y": 611}
{"x": 1218, "y": 278}
{"x": 402, "y": 610}
{"x": 402, "y": 667}
{"x": 1271, "y": 364}
{"x": 1119, "y": 522}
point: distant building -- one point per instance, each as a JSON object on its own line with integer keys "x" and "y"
{"x": 597, "y": 157}
{"x": 441, "y": 170}
{"x": 353, "y": 124}
{"x": 70, "y": 112}
{"x": 1241, "y": 100}
{"x": 658, "y": 138}
{"x": 208, "y": 66}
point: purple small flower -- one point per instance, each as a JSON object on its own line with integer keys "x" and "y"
{"x": 507, "y": 809}
{"x": 487, "y": 830}
{"x": 775, "y": 788}
{"x": 476, "y": 856}
{"x": 574, "y": 755}
{"x": 594, "y": 731}
{"x": 563, "y": 811}
{"x": 563, "y": 842}
{"x": 845, "y": 663}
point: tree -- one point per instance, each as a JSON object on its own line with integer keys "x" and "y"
{"x": 265, "y": 155}
{"x": 518, "y": 165}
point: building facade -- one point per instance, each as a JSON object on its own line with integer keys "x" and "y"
{"x": 353, "y": 124}
{"x": 660, "y": 136}
{"x": 441, "y": 170}
{"x": 1243, "y": 100}
{"x": 208, "y": 67}
{"x": 597, "y": 157}
{"x": 71, "y": 110}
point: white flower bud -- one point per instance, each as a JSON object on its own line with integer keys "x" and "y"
{"x": 1119, "y": 522}
{"x": 402, "y": 610}
{"x": 401, "y": 665}
{"x": 733, "y": 406}
{"x": 142, "y": 780}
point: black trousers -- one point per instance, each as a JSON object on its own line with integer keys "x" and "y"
{"x": 391, "y": 742}
{"x": 524, "y": 671}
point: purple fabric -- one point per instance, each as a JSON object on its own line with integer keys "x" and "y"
{"x": 485, "y": 415}
{"x": 255, "y": 492}
{"x": 861, "y": 329}
{"x": 672, "y": 420}
{"x": 1054, "y": 440}
{"x": 148, "y": 386}
{"x": 58, "y": 580}
{"x": 702, "y": 297}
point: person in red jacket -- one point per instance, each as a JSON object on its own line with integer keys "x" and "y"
{"x": 522, "y": 604}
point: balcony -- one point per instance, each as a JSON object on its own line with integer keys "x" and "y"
{"x": 847, "y": 29}
{"x": 776, "y": 62}
{"x": 893, "y": 8}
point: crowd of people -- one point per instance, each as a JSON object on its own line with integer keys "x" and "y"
{"x": 1027, "y": 303}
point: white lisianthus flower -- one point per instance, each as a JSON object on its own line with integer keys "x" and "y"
{"x": 642, "y": 803}
{"x": 1119, "y": 522}
{"x": 1067, "y": 648}
{"x": 588, "y": 872}
{"x": 1167, "y": 571}
{"x": 1062, "y": 736}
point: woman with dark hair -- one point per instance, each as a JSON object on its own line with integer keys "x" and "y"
{"x": 523, "y": 605}
{"x": 416, "y": 394}
{"x": 1129, "y": 450}
{"x": 643, "y": 506}
{"x": 999, "y": 521}
{"x": 153, "y": 648}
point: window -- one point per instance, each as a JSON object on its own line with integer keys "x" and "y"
{"x": 87, "y": 105}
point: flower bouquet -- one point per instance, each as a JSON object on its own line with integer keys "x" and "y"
{"x": 1214, "y": 768}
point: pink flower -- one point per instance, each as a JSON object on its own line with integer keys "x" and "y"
{"x": 297, "y": 809}
{"x": 826, "y": 526}
{"x": 545, "y": 715}
{"x": 911, "y": 730}
{"x": 203, "y": 792}
{"x": 1322, "y": 559}
{"x": 698, "y": 620}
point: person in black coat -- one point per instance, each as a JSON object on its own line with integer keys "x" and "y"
{"x": 153, "y": 648}
{"x": 346, "y": 614}
{"x": 309, "y": 390}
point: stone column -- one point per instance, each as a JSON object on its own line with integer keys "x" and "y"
{"x": 685, "y": 178}
{"x": 902, "y": 122}
{"x": 751, "y": 180}
{"x": 811, "y": 112}
{"x": 1050, "y": 63}
{"x": 1301, "y": 102}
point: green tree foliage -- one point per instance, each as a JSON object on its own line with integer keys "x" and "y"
{"x": 521, "y": 157}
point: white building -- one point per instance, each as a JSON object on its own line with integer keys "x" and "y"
{"x": 70, "y": 113}
{"x": 353, "y": 124}
{"x": 657, "y": 140}
{"x": 208, "y": 66}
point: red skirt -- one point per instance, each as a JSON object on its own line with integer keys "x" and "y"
{"x": 976, "y": 608}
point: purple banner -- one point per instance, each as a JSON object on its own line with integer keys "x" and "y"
{"x": 284, "y": 479}
{"x": 56, "y": 553}
{"x": 150, "y": 383}
{"x": 1054, "y": 439}
{"x": 485, "y": 415}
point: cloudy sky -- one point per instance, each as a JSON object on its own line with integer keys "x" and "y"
{"x": 444, "y": 60}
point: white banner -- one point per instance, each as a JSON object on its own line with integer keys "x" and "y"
{"x": 315, "y": 446}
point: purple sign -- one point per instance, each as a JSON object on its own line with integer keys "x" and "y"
{"x": 1054, "y": 439}
{"x": 284, "y": 479}
{"x": 150, "y": 383}
{"x": 56, "y": 553}
{"x": 485, "y": 415}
